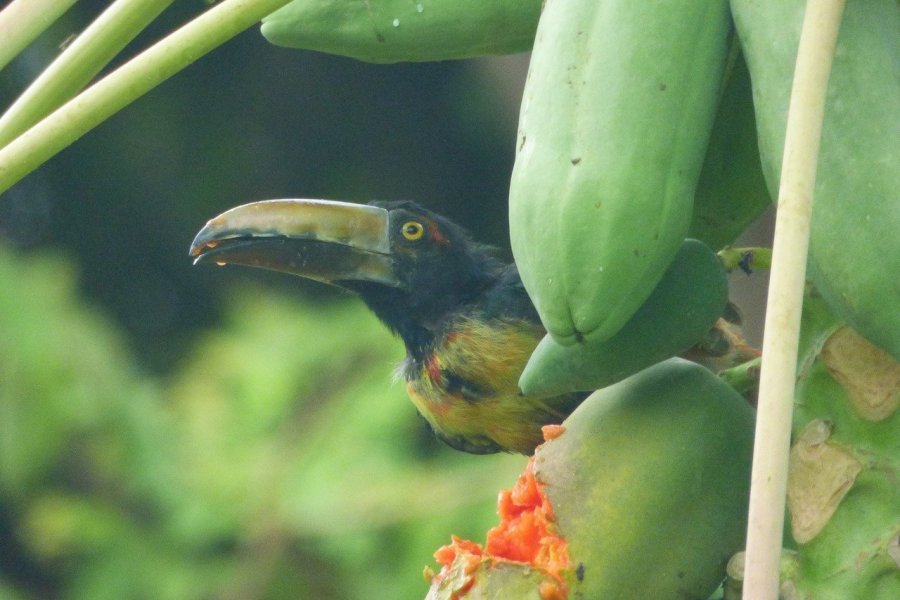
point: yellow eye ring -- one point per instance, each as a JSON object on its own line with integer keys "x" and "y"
{"x": 412, "y": 230}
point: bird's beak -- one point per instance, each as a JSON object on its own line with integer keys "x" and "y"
{"x": 322, "y": 240}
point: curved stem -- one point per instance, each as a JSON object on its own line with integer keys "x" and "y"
{"x": 782, "y": 327}
{"x": 79, "y": 63}
{"x": 744, "y": 378}
{"x": 127, "y": 83}
{"x": 23, "y": 20}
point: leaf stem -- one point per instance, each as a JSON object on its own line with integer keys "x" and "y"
{"x": 23, "y": 20}
{"x": 79, "y": 63}
{"x": 127, "y": 83}
{"x": 785, "y": 300}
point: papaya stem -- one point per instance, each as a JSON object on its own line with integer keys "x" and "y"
{"x": 79, "y": 63}
{"x": 768, "y": 486}
{"x": 744, "y": 378}
{"x": 24, "y": 20}
{"x": 746, "y": 259}
{"x": 127, "y": 83}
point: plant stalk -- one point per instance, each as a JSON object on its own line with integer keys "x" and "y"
{"x": 23, "y": 20}
{"x": 744, "y": 378}
{"x": 127, "y": 83}
{"x": 79, "y": 63}
{"x": 785, "y": 300}
{"x": 746, "y": 259}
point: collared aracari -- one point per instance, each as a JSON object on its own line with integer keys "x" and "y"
{"x": 466, "y": 321}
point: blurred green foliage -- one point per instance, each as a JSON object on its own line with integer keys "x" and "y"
{"x": 172, "y": 432}
{"x": 251, "y": 121}
{"x": 279, "y": 461}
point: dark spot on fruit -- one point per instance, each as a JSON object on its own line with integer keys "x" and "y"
{"x": 379, "y": 38}
{"x": 579, "y": 337}
{"x": 579, "y": 572}
{"x": 575, "y": 161}
{"x": 662, "y": 86}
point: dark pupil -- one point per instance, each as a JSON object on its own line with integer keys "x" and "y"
{"x": 412, "y": 229}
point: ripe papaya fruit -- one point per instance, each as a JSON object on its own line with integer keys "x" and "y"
{"x": 685, "y": 304}
{"x": 854, "y": 243}
{"x": 641, "y": 493}
{"x": 615, "y": 119}
{"x": 387, "y": 31}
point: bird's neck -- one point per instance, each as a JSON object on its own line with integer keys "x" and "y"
{"x": 393, "y": 308}
{"x": 419, "y": 321}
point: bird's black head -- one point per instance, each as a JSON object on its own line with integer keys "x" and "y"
{"x": 438, "y": 269}
{"x": 411, "y": 266}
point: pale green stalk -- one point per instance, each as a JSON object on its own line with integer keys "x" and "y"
{"x": 79, "y": 63}
{"x": 746, "y": 259}
{"x": 127, "y": 83}
{"x": 23, "y": 20}
{"x": 786, "y": 284}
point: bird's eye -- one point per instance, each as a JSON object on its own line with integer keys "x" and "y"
{"x": 412, "y": 230}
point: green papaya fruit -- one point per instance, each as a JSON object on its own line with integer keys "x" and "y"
{"x": 731, "y": 192}
{"x": 685, "y": 304}
{"x": 615, "y": 118}
{"x": 854, "y": 243}
{"x": 387, "y": 31}
{"x": 661, "y": 456}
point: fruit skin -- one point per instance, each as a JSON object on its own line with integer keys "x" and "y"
{"x": 649, "y": 484}
{"x": 854, "y": 246}
{"x": 487, "y": 580}
{"x": 686, "y": 303}
{"x": 616, "y": 115}
{"x": 388, "y": 31}
{"x": 731, "y": 192}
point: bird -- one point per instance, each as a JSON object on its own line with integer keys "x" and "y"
{"x": 463, "y": 314}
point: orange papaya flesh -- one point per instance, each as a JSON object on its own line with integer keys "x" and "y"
{"x": 527, "y": 530}
{"x": 526, "y": 534}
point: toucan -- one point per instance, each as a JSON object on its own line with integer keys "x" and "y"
{"x": 462, "y": 312}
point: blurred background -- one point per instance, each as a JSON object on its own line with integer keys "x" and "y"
{"x": 173, "y": 432}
